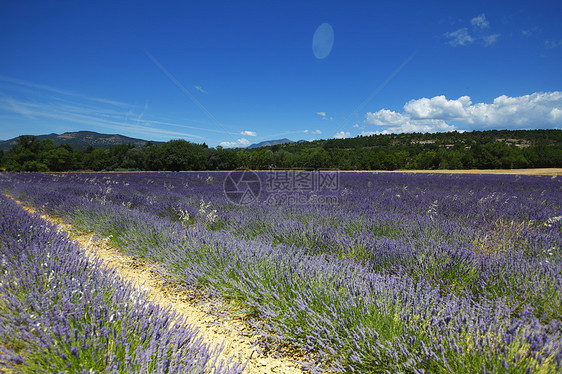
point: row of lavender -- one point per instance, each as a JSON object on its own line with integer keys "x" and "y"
{"x": 488, "y": 236}
{"x": 426, "y": 272}
{"x": 61, "y": 311}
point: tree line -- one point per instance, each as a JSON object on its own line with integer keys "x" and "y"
{"x": 454, "y": 150}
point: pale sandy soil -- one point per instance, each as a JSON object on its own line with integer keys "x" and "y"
{"x": 216, "y": 320}
{"x": 537, "y": 171}
{"x": 543, "y": 171}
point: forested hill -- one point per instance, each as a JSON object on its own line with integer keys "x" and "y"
{"x": 495, "y": 149}
{"x": 80, "y": 140}
{"x": 520, "y": 138}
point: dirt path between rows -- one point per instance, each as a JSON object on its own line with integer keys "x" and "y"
{"x": 218, "y": 322}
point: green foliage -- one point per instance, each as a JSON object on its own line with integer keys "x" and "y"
{"x": 34, "y": 166}
{"x": 176, "y": 155}
{"x": 95, "y": 160}
{"x": 60, "y": 158}
{"x": 493, "y": 149}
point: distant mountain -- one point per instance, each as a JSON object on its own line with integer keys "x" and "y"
{"x": 269, "y": 143}
{"x": 82, "y": 139}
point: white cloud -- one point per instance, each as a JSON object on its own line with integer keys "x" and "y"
{"x": 459, "y": 37}
{"x": 239, "y": 143}
{"x": 369, "y": 133}
{"x": 553, "y": 43}
{"x": 480, "y": 21}
{"x": 342, "y": 135}
{"x": 396, "y": 123}
{"x": 315, "y": 132}
{"x": 385, "y": 117}
{"x": 490, "y": 39}
{"x": 40, "y": 87}
{"x": 555, "y": 115}
{"x": 477, "y": 34}
{"x": 538, "y": 110}
{"x": 438, "y": 107}
{"x": 90, "y": 115}
{"x": 521, "y": 111}
{"x": 200, "y": 89}
{"x": 249, "y": 133}
{"x": 324, "y": 115}
{"x": 43, "y": 106}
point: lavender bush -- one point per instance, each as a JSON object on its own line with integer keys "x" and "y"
{"x": 62, "y": 311}
{"x": 408, "y": 273}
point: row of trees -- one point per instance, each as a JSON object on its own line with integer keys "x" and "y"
{"x": 495, "y": 155}
{"x": 481, "y": 150}
{"x": 30, "y": 155}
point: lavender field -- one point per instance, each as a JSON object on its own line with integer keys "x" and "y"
{"x": 406, "y": 273}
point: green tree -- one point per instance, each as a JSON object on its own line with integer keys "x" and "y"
{"x": 450, "y": 159}
{"x": 116, "y": 155}
{"x": 484, "y": 158}
{"x": 135, "y": 158}
{"x": 315, "y": 157}
{"x": 96, "y": 160}
{"x": 26, "y": 149}
{"x": 154, "y": 157}
{"x": 34, "y": 166}
{"x": 428, "y": 160}
{"x": 59, "y": 158}
{"x": 179, "y": 155}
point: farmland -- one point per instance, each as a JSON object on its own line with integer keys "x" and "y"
{"x": 436, "y": 273}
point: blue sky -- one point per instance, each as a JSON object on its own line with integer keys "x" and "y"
{"x": 235, "y": 73}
